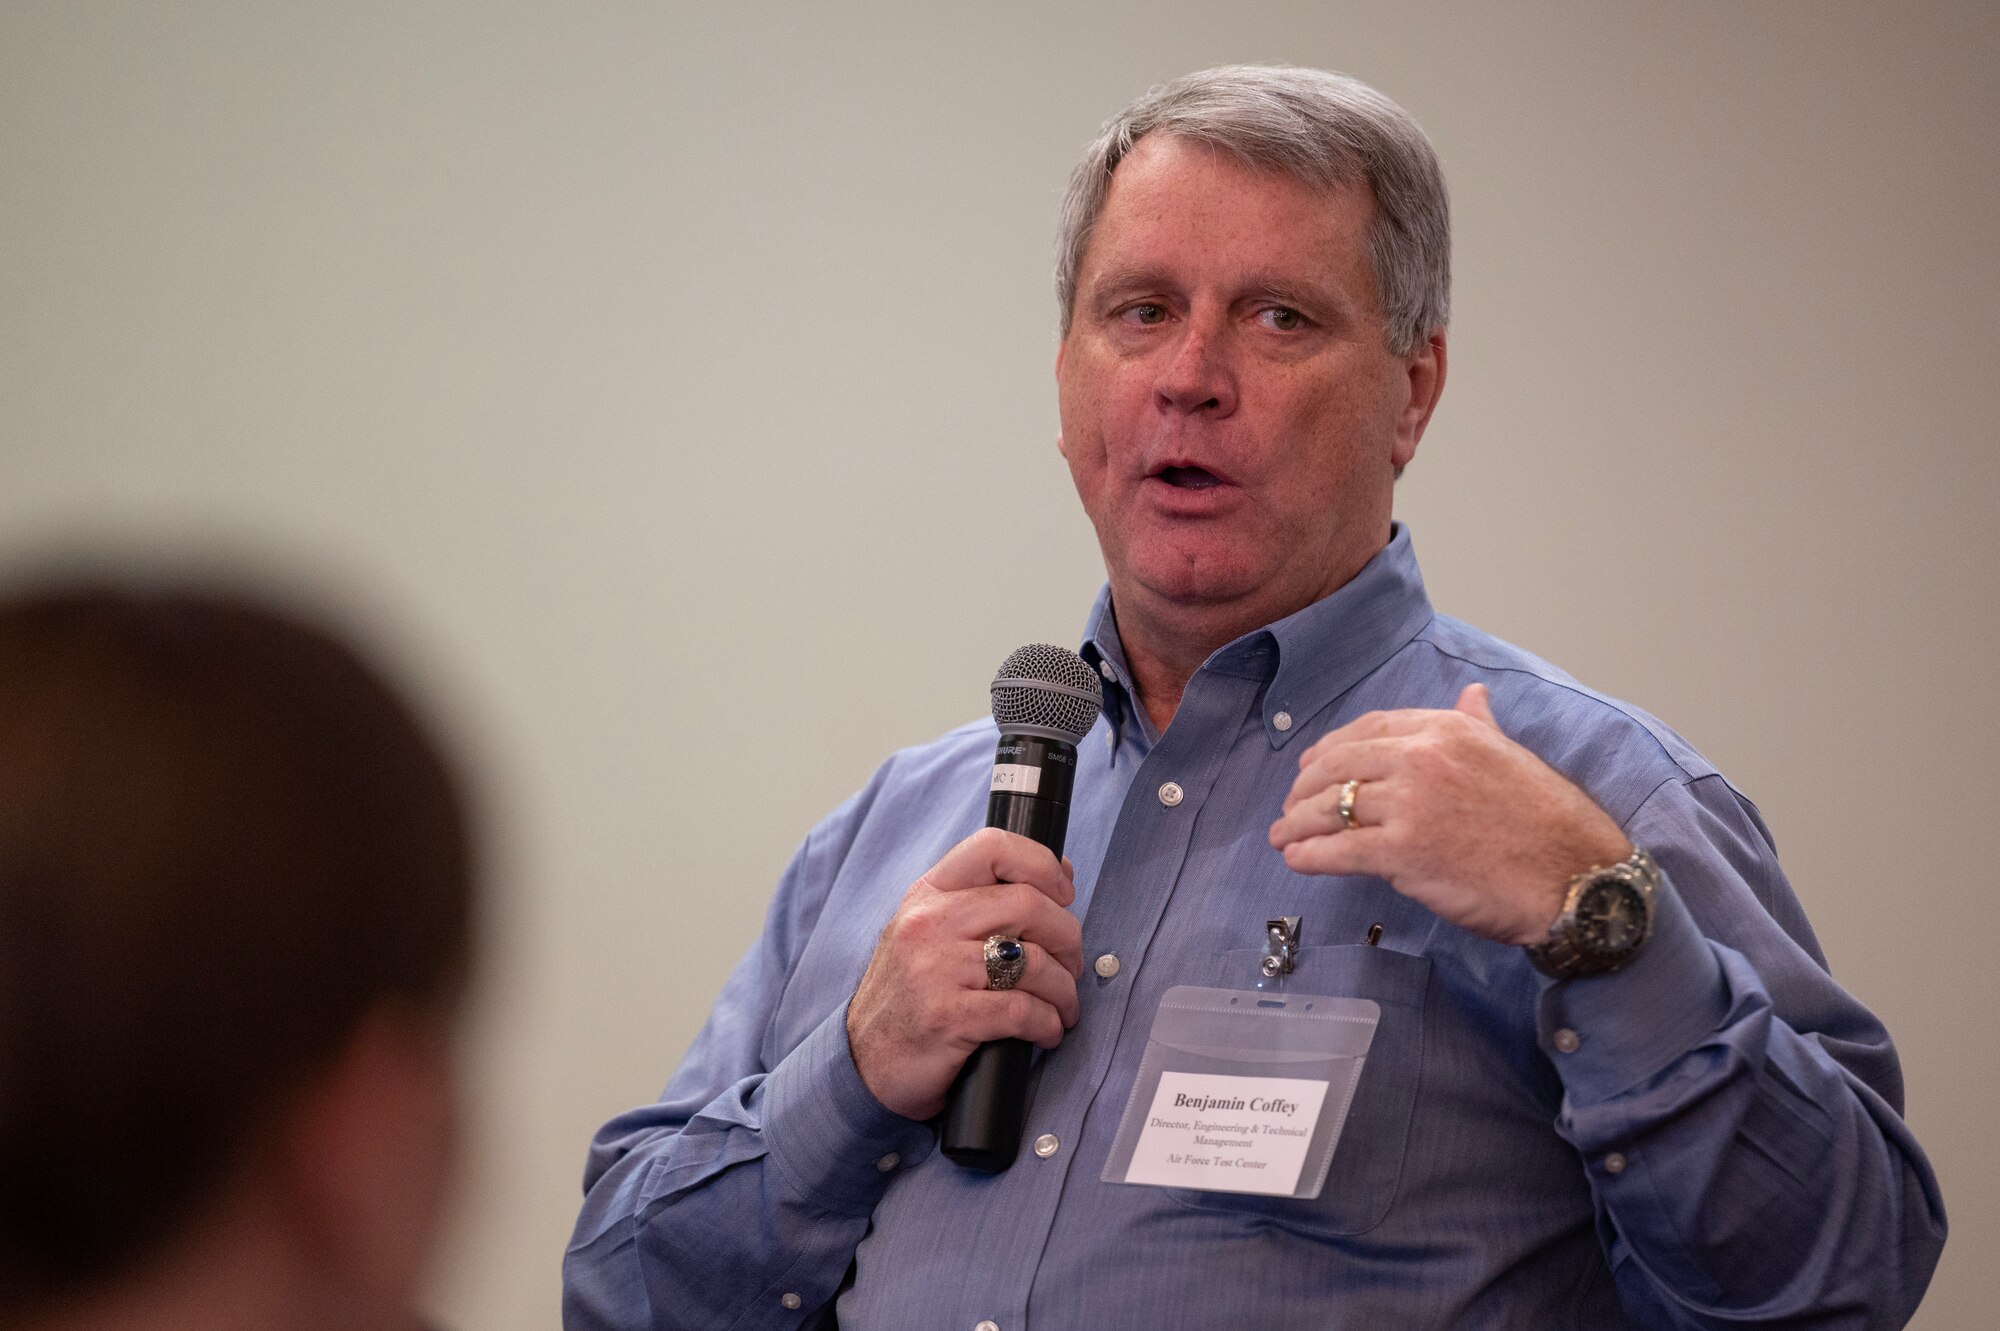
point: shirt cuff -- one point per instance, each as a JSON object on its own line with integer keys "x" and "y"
{"x": 828, "y": 1133}
{"x": 1608, "y": 1033}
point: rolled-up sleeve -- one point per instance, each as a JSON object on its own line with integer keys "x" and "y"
{"x": 738, "y": 1200}
{"x": 1738, "y": 1114}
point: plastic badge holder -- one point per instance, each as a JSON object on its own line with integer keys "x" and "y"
{"x": 1243, "y": 1091}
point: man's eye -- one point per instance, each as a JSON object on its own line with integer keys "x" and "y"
{"x": 1284, "y": 319}
{"x": 1146, "y": 314}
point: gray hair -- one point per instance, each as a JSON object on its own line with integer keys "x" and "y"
{"x": 1327, "y": 130}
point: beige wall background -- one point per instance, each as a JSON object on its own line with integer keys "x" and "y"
{"x": 668, "y": 390}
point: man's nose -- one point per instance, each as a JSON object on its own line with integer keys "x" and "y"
{"x": 1196, "y": 376}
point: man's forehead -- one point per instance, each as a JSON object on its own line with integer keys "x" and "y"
{"x": 1174, "y": 203}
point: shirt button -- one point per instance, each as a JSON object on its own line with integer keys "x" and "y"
{"x": 1106, "y": 966}
{"x": 1614, "y": 1163}
{"x": 1283, "y": 720}
{"x": 885, "y": 1163}
{"x": 1047, "y": 1145}
{"x": 1104, "y": 669}
{"x": 1566, "y": 1040}
{"x": 1170, "y": 794}
{"x": 790, "y": 1300}
{"x": 988, "y": 1325}
{"x": 1110, "y": 738}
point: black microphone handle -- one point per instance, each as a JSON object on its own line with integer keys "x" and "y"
{"x": 987, "y": 1106}
{"x": 1035, "y": 818}
{"x": 988, "y": 1102}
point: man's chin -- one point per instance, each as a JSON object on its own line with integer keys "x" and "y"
{"x": 1195, "y": 591}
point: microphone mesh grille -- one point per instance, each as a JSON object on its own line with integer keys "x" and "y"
{"x": 1049, "y": 688}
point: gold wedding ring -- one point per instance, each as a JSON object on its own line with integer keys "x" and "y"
{"x": 1347, "y": 793}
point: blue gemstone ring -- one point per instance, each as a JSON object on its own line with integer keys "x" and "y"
{"x": 1005, "y": 960}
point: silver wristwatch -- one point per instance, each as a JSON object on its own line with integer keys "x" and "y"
{"x": 1607, "y": 916}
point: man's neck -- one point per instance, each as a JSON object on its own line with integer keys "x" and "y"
{"x": 1164, "y": 655}
{"x": 1165, "y": 643}
{"x": 1160, "y": 679}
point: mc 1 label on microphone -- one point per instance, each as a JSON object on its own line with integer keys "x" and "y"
{"x": 1017, "y": 778}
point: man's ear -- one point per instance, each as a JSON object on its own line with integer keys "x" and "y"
{"x": 1061, "y": 347}
{"x": 366, "y": 1151}
{"x": 1425, "y": 367}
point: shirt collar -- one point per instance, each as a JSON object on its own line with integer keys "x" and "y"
{"x": 1309, "y": 658}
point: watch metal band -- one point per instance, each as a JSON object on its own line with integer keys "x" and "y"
{"x": 1566, "y": 956}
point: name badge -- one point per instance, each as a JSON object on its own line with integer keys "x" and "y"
{"x": 1221, "y": 1133}
{"x": 1243, "y": 1091}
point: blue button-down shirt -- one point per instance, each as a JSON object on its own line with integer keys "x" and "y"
{"x": 1711, "y": 1136}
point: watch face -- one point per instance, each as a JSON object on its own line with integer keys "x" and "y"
{"x": 1611, "y": 917}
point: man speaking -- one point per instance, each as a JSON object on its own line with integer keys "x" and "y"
{"x": 1394, "y": 979}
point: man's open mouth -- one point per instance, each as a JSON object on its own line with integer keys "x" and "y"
{"x": 1190, "y": 478}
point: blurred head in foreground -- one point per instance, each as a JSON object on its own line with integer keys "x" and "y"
{"x": 235, "y": 922}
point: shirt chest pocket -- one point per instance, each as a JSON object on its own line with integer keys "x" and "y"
{"x": 1368, "y": 1163}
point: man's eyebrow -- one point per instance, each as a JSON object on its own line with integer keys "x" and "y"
{"x": 1132, "y": 277}
{"x": 1290, "y": 289}
{"x": 1284, "y": 288}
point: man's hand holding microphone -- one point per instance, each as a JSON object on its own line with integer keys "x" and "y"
{"x": 923, "y": 1004}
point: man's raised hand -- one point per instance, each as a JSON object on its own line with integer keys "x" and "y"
{"x": 1451, "y": 813}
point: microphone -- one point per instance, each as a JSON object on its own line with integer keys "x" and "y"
{"x": 1045, "y": 699}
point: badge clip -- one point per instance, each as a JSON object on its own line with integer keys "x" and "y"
{"x": 1281, "y": 946}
